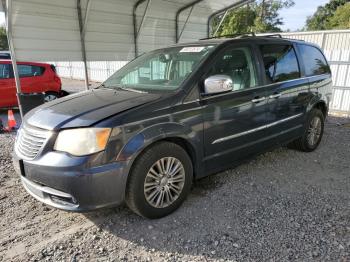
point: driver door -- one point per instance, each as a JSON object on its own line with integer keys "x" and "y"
{"x": 234, "y": 121}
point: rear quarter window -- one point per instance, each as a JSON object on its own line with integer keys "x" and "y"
{"x": 30, "y": 70}
{"x": 314, "y": 61}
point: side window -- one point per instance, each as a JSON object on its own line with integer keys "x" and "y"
{"x": 314, "y": 61}
{"x": 28, "y": 70}
{"x": 236, "y": 63}
{"x": 4, "y": 71}
{"x": 280, "y": 63}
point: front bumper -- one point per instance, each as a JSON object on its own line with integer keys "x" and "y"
{"x": 68, "y": 183}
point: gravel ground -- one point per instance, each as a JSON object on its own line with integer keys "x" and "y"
{"x": 282, "y": 205}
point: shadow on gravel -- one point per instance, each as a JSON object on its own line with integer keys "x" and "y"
{"x": 202, "y": 226}
{"x": 283, "y": 205}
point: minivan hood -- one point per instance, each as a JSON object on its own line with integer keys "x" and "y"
{"x": 85, "y": 108}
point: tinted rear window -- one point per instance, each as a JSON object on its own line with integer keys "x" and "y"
{"x": 4, "y": 71}
{"x": 30, "y": 70}
{"x": 314, "y": 61}
{"x": 280, "y": 63}
{"x": 5, "y": 56}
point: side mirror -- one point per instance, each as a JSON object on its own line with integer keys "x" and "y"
{"x": 217, "y": 84}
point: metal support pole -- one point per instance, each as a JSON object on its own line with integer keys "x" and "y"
{"x": 143, "y": 17}
{"x": 184, "y": 26}
{"x": 8, "y": 14}
{"x": 134, "y": 16}
{"x": 235, "y": 5}
{"x": 87, "y": 12}
{"x": 192, "y": 4}
{"x": 219, "y": 25}
{"x": 82, "y": 42}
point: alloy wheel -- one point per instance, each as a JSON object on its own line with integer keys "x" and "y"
{"x": 164, "y": 182}
{"x": 49, "y": 98}
{"x": 314, "y": 131}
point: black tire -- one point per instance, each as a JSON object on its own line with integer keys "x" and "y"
{"x": 50, "y": 96}
{"x": 135, "y": 189}
{"x": 303, "y": 143}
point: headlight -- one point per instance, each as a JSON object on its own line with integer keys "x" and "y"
{"x": 82, "y": 141}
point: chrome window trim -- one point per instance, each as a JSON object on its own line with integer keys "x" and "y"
{"x": 203, "y": 97}
{"x": 223, "y": 139}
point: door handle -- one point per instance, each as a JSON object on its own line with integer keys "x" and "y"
{"x": 258, "y": 99}
{"x": 275, "y": 96}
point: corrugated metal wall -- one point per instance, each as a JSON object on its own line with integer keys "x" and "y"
{"x": 336, "y": 45}
{"x": 49, "y": 30}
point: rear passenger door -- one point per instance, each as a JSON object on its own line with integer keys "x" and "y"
{"x": 287, "y": 91}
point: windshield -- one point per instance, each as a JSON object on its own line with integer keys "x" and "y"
{"x": 160, "y": 70}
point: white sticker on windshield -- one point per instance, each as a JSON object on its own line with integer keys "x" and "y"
{"x": 192, "y": 49}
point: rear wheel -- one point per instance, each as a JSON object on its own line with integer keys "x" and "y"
{"x": 159, "y": 181}
{"x": 313, "y": 132}
{"x": 49, "y": 96}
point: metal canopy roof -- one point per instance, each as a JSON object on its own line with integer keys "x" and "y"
{"x": 49, "y": 30}
{"x": 103, "y": 30}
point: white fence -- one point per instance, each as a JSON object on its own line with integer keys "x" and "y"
{"x": 98, "y": 70}
{"x": 336, "y": 45}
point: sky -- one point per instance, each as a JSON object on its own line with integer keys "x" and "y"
{"x": 294, "y": 18}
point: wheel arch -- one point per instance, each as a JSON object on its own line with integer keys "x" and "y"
{"x": 322, "y": 106}
{"x": 175, "y": 133}
{"x": 178, "y": 140}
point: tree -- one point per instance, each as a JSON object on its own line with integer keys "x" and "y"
{"x": 321, "y": 18}
{"x": 3, "y": 39}
{"x": 261, "y": 16}
{"x": 238, "y": 22}
{"x": 341, "y": 18}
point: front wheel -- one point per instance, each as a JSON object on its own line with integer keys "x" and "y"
{"x": 313, "y": 132}
{"x": 159, "y": 181}
{"x": 49, "y": 96}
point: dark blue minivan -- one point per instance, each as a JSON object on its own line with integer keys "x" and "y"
{"x": 172, "y": 116}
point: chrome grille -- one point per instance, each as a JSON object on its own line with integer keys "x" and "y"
{"x": 30, "y": 141}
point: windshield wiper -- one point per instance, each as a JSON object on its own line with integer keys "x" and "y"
{"x": 97, "y": 87}
{"x": 130, "y": 89}
{"x": 120, "y": 87}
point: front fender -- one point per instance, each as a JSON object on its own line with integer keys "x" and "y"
{"x": 137, "y": 143}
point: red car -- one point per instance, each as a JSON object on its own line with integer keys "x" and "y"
{"x": 35, "y": 78}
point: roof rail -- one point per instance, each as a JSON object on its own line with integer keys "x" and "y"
{"x": 250, "y": 34}
{"x": 230, "y": 36}
{"x": 273, "y": 35}
{"x": 280, "y": 36}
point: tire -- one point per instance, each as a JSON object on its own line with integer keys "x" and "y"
{"x": 49, "y": 96}
{"x": 313, "y": 132}
{"x": 145, "y": 187}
